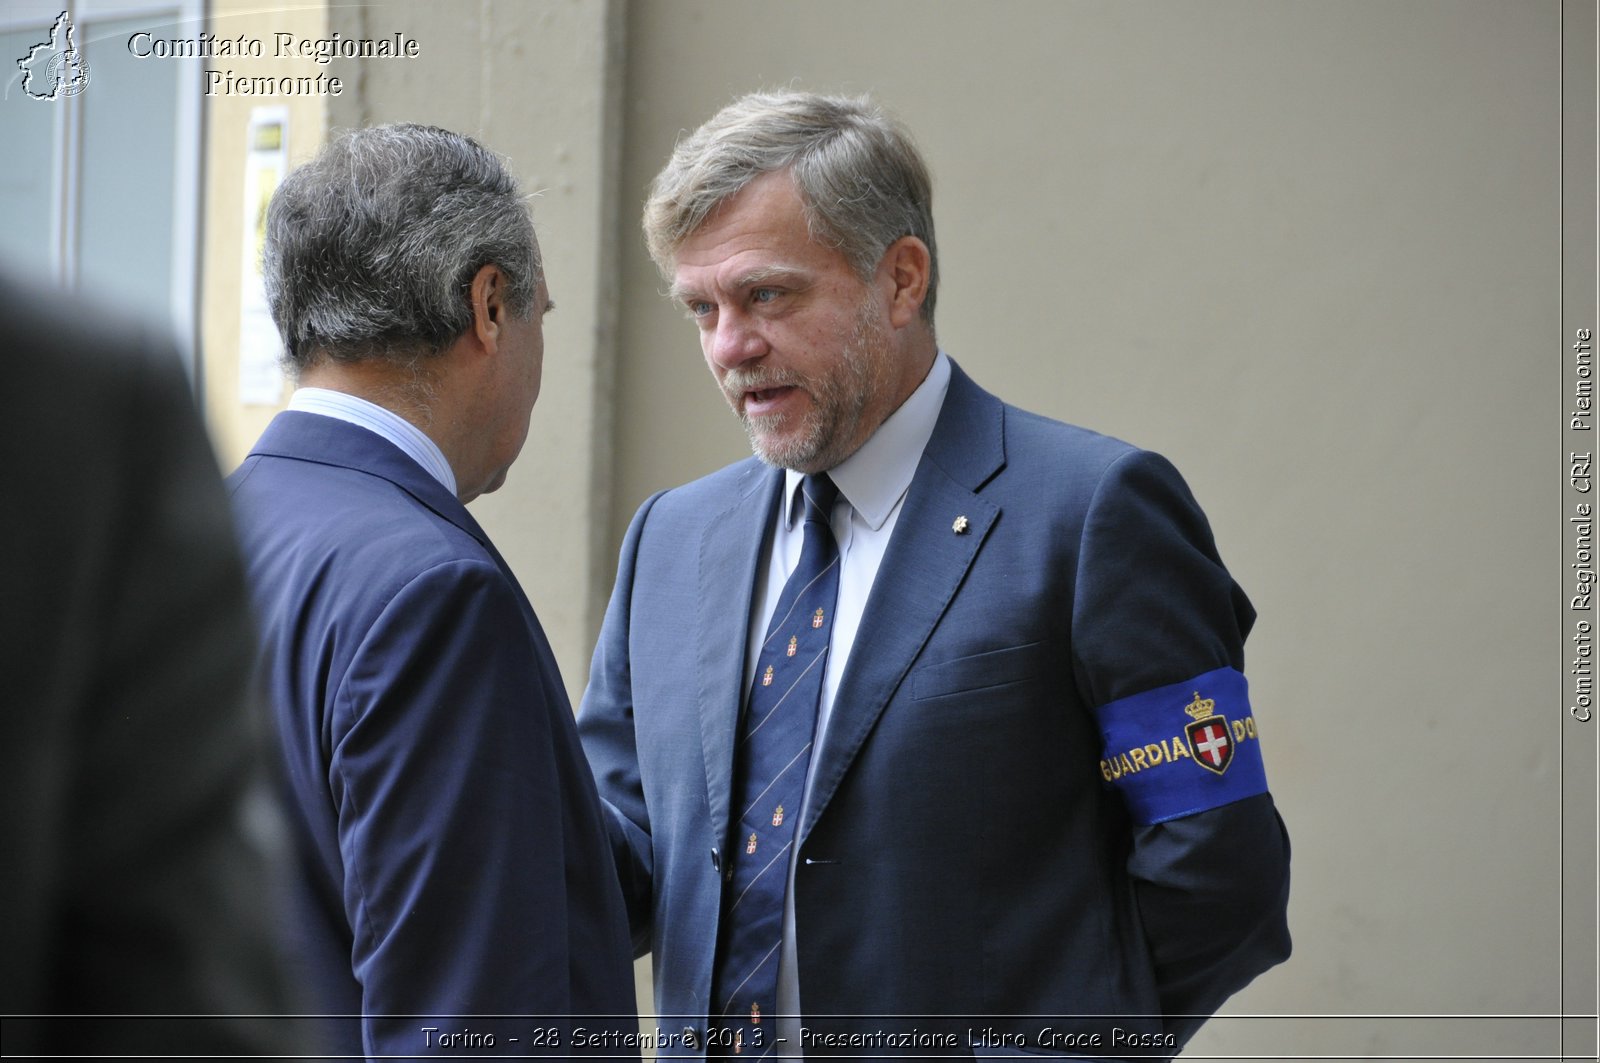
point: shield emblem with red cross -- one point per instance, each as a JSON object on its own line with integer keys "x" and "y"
{"x": 1211, "y": 743}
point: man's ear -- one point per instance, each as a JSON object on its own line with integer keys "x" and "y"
{"x": 906, "y": 266}
{"x": 489, "y": 312}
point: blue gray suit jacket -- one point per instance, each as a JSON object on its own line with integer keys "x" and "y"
{"x": 979, "y": 856}
{"x": 455, "y": 859}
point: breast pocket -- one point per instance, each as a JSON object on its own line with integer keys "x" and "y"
{"x": 979, "y": 672}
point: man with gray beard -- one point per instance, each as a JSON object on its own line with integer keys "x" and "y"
{"x": 925, "y": 731}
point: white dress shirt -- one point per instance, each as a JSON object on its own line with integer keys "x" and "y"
{"x": 872, "y": 489}
{"x": 386, "y": 423}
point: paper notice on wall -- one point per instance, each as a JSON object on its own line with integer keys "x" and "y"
{"x": 266, "y": 160}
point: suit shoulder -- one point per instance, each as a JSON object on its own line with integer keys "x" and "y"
{"x": 710, "y": 493}
{"x": 1036, "y": 431}
{"x": 1040, "y": 445}
{"x": 303, "y": 519}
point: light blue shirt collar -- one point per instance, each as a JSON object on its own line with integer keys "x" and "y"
{"x": 413, "y": 441}
{"x": 875, "y": 477}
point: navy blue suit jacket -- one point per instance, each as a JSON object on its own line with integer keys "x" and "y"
{"x": 967, "y": 851}
{"x": 455, "y": 853}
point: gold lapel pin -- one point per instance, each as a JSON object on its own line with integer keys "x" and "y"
{"x": 960, "y": 525}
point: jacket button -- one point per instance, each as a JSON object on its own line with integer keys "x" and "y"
{"x": 716, "y": 860}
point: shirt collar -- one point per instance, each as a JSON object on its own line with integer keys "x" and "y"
{"x": 876, "y": 476}
{"x": 413, "y": 441}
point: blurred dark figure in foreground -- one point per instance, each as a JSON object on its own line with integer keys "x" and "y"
{"x": 136, "y": 831}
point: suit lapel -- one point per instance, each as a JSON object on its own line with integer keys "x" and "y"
{"x": 730, "y": 554}
{"x": 924, "y": 566}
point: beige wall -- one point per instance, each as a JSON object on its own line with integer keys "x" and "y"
{"x": 226, "y": 118}
{"x": 1308, "y": 250}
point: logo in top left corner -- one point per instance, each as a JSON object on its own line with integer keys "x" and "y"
{"x": 55, "y": 68}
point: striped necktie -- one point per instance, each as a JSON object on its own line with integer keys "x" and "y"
{"x": 770, "y": 764}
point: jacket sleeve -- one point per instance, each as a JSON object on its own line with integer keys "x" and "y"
{"x": 444, "y": 776}
{"x": 605, "y": 727}
{"x": 1159, "y": 629}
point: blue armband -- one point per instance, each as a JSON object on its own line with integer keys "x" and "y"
{"x": 1184, "y": 748}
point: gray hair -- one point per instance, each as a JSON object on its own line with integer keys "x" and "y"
{"x": 371, "y": 246}
{"x": 860, "y": 178}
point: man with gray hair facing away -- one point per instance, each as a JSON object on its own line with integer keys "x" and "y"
{"x": 926, "y": 733}
{"x": 455, "y": 891}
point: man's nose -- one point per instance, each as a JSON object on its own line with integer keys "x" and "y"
{"x": 735, "y": 341}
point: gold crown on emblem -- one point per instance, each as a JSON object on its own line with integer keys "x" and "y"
{"x": 1200, "y": 709}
